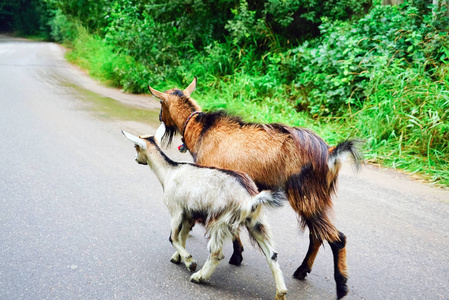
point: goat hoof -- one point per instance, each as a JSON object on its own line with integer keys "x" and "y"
{"x": 196, "y": 278}
{"x": 176, "y": 258}
{"x": 301, "y": 273}
{"x": 280, "y": 295}
{"x": 342, "y": 291}
{"x": 236, "y": 259}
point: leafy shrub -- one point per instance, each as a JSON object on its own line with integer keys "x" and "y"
{"x": 90, "y": 12}
{"x": 62, "y": 28}
{"x": 336, "y": 68}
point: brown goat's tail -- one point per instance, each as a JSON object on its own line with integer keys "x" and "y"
{"x": 351, "y": 147}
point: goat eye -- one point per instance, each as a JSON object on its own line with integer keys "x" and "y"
{"x": 161, "y": 101}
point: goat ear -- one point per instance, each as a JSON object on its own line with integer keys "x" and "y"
{"x": 160, "y": 95}
{"x": 189, "y": 90}
{"x": 138, "y": 141}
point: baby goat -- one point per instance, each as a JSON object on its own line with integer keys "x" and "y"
{"x": 222, "y": 200}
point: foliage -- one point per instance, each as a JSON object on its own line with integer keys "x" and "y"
{"x": 337, "y": 68}
{"x": 63, "y": 29}
{"x": 406, "y": 121}
{"x": 25, "y": 17}
{"x": 116, "y": 69}
{"x": 90, "y": 12}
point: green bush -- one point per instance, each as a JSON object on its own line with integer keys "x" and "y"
{"x": 336, "y": 69}
{"x": 63, "y": 29}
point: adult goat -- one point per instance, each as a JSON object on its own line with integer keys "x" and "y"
{"x": 274, "y": 156}
{"x": 222, "y": 200}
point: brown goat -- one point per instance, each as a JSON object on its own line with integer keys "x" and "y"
{"x": 275, "y": 156}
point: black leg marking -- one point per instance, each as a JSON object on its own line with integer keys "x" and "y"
{"x": 237, "y": 258}
{"x": 340, "y": 271}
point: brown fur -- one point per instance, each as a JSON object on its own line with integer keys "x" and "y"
{"x": 342, "y": 262}
{"x": 314, "y": 251}
{"x": 273, "y": 155}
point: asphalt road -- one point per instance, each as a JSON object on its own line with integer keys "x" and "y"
{"x": 79, "y": 219}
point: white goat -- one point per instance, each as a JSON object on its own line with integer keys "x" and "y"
{"x": 222, "y": 200}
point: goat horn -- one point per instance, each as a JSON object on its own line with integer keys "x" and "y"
{"x": 189, "y": 90}
{"x": 139, "y": 142}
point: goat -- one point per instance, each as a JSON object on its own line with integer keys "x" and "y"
{"x": 222, "y": 200}
{"x": 275, "y": 156}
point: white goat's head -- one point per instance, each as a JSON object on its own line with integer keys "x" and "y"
{"x": 142, "y": 145}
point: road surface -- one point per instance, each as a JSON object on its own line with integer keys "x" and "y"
{"x": 79, "y": 219}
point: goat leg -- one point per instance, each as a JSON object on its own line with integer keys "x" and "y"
{"x": 306, "y": 266}
{"x": 215, "y": 247}
{"x": 237, "y": 258}
{"x": 186, "y": 227}
{"x": 179, "y": 233}
{"x": 340, "y": 269}
{"x": 260, "y": 232}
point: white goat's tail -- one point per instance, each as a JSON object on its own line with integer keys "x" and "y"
{"x": 268, "y": 198}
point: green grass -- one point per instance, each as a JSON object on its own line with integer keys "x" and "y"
{"x": 99, "y": 59}
{"x": 406, "y": 124}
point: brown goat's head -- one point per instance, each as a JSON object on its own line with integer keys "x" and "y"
{"x": 174, "y": 104}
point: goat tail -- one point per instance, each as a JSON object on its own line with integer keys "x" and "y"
{"x": 348, "y": 147}
{"x": 268, "y": 198}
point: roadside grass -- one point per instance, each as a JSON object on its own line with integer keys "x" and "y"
{"x": 407, "y": 113}
{"x": 91, "y": 53}
{"x": 405, "y": 123}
